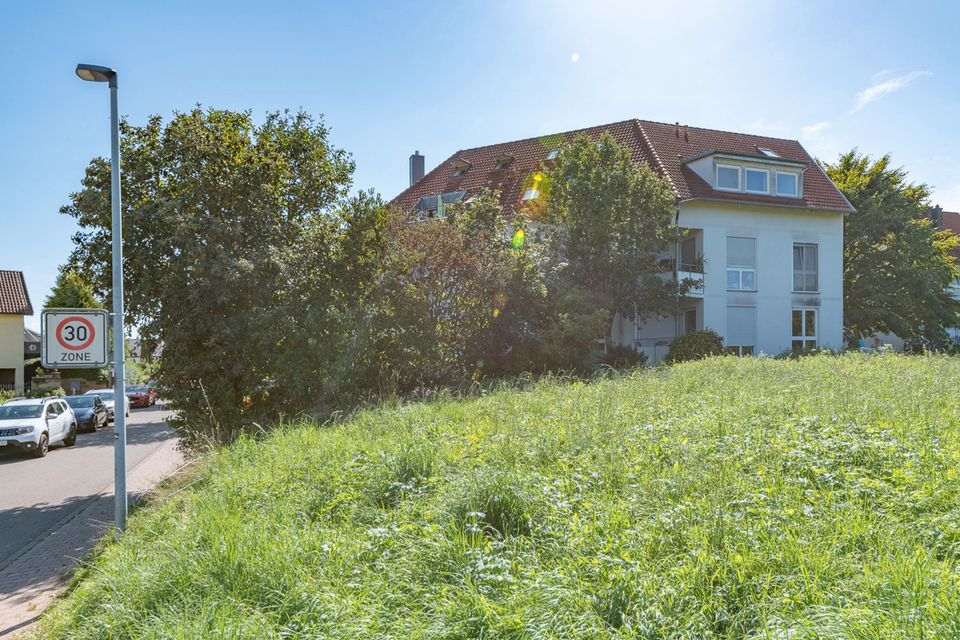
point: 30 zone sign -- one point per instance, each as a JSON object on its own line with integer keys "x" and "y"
{"x": 74, "y": 338}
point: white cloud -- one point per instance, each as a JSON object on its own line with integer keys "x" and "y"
{"x": 813, "y": 130}
{"x": 885, "y": 83}
{"x": 817, "y": 141}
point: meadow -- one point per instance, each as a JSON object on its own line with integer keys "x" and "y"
{"x": 727, "y": 498}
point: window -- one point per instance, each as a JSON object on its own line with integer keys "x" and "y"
{"x": 805, "y": 268}
{"x": 531, "y": 194}
{"x": 503, "y": 163}
{"x": 741, "y": 264}
{"x": 553, "y": 154}
{"x": 430, "y": 206}
{"x": 770, "y": 153}
{"x": 804, "y": 323}
{"x": 788, "y": 184}
{"x": 756, "y": 180}
{"x": 689, "y": 321}
{"x": 741, "y": 335}
{"x": 460, "y": 170}
{"x": 728, "y": 178}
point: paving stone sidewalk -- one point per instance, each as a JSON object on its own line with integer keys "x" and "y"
{"x": 31, "y": 582}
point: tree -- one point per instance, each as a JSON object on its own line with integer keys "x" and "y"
{"x": 897, "y": 266}
{"x": 71, "y": 291}
{"x": 613, "y": 222}
{"x": 215, "y": 208}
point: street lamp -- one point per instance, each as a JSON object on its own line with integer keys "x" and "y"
{"x": 96, "y": 73}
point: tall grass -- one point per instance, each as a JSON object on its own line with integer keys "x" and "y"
{"x": 729, "y": 498}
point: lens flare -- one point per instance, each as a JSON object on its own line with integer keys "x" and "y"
{"x": 519, "y": 238}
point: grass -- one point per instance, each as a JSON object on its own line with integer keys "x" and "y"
{"x": 730, "y": 498}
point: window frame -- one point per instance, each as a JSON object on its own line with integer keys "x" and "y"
{"x": 803, "y": 338}
{"x": 716, "y": 175}
{"x": 740, "y": 269}
{"x": 776, "y": 184}
{"x": 805, "y": 272}
{"x": 765, "y": 172}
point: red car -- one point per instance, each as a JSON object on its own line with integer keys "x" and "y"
{"x": 141, "y": 395}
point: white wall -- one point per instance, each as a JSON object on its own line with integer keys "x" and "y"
{"x": 775, "y": 230}
{"x": 11, "y": 346}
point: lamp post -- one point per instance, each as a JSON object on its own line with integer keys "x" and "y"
{"x": 95, "y": 73}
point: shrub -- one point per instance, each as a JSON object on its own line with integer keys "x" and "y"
{"x": 620, "y": 357}
{"x": 696, "y": 345}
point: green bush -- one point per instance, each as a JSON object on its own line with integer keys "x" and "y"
{"x": 623, "y": 358}
{"x": 696, "y": 345}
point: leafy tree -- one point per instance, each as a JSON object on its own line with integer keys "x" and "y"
{"x": 613, "y": 220}
{"x": 215, "y": 208}
{"x": 897, "y": 266}
{"x": 71, "y": 291}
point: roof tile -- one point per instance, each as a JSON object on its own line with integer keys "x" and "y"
{"x": 14, "y": 298}
{"x": 665, "y": 147}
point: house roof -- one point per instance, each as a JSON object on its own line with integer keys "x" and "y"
{"x": 665, "y": 147}
{"x": 14, "y": 298}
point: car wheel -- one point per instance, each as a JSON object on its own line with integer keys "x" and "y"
{"x": 71, "y": 438}
{"x": 43, "y": 447}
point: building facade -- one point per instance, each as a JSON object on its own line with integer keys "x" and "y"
{"x": 14, "y": 305}
{"x": 760, "y": 229}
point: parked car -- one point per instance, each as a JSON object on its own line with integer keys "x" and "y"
{"x": 142, "y": 395}
{"x": 32, "y": 425}
{"x": 107, "y": 396}
{"x": 90, "y": 410}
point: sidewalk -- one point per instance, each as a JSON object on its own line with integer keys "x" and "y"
{"x": 31, "y": 582}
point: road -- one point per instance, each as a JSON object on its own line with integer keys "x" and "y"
{"x": 40, "y": 493}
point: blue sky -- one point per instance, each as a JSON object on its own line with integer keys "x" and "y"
{"x": 392, "y": 77}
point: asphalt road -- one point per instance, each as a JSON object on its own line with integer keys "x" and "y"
{"x": 37, "y": 494}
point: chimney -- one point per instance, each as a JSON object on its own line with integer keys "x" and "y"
{"x": 416, "y": 167}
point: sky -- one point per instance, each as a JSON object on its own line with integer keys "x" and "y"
{"x": 390, "y": 78}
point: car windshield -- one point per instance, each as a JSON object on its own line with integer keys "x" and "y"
{"x": 13, "y": 411}
{"x": 80, "y": 402}
{"x": 104, "y": 395}
{"x": 137, "y": 388}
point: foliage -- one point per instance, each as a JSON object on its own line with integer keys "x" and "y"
{"x": 897, "y": 266}
{"x": 71, "y": 291}
{"x": 620, "y": 357}
{"x": 214, "y": 206}
{"x": 613, "y": 220}
{"x": 695, "y": 345}
{"x": 727, "y": 498}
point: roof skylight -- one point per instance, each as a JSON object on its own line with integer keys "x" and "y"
{"x": 770, "y": 153}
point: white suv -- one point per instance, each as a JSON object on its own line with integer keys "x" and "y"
{"x": 32, "y": 425}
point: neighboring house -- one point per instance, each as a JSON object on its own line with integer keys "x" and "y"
{"x": 949, "y": 221}
{"x": 14, "y": 305}
{"x": 762, "y": 223}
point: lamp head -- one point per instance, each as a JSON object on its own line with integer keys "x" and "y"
{"x": 96, "y": 73}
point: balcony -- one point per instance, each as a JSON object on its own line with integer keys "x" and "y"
{"x": 689, "y": 274}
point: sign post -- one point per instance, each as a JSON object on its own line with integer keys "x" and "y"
{"x": 96, "y": 73}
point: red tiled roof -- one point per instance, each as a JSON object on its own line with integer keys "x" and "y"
{"x": 14, "y": 298}
{"x": 654, "y": 143}
{"x": 950, "y": 221}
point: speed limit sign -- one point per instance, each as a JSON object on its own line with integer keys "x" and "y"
{"x": 73, "y": 338}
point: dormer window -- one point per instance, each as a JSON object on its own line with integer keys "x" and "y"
{"x": 503, "y": 162}
{"x": 553, "y": 154}
{"x": 460, "y": 167}
{"x": 788, "y": 184}
{"x": 728, "y": 177}
{"x": 757, "y": 180}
